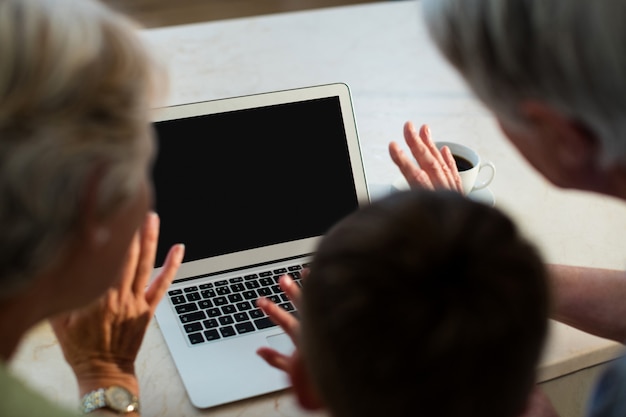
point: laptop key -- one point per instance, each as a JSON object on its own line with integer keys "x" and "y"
{"x": 195, "y": 316}
{"x": 178, "y": 299}
{"x": 208, "y": 293}
{"x": 193, "y": 327}
{"x": 274, "y": 299}
{"x": 193, "y": 296}
{"x": 195, "y": 338}
{"x": 287, "y": 306}
{"x": 252, "y": 285}
{"x": 266, "y": 282}
{"x": 264, "y": 291}
{"x": 239, "y": 317}
{"x": 235, "y": 298}
{"x": 256, "y": 313}
{"x": 210, "y": 323}
{"x": 227, "y": 331}
{"x": 246, "y": 327}
{"x": 264, "y": 323}
{"x": 186, "y": 308}
{"x": 220, "y": 301}
{"x": 211, "y": 335}
{"x": 244, "y": 306}
{"x": 249, "y": 295}
{"x": 222, "y": 290}
{"x": 229, "y": 309}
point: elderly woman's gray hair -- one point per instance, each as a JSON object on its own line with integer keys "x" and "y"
{"x": 568, "y": 54}
{"x": 75, "y": 85}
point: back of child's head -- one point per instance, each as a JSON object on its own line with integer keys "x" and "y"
{"x": 424, "y": 303}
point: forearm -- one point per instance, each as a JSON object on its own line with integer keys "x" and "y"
{"x": 590, "y": 299}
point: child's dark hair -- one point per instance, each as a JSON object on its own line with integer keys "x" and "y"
{"x": 425, "y": 303}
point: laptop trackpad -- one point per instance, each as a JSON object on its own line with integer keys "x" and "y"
{"x": 282, "y": 343}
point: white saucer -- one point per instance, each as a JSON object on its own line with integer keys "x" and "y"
{"x": 484, "y": 195}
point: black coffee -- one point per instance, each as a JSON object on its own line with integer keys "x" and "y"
{"x": 462, "y": 164}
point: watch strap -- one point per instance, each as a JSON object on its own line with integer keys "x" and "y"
{"x": 92, "y": 401}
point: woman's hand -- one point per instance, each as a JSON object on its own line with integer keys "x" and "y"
{"x": 284, "y": 319}
{"x": 101, "y": 341}
{"x": 434, "y": 168}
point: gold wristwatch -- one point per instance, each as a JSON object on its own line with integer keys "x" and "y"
{"x": 114, "y": 398}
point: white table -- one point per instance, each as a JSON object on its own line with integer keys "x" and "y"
{"x": 381, "y": 50}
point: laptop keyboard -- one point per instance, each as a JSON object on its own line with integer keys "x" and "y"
{"x": 225, "y": 308}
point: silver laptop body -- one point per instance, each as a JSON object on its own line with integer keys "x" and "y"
{"x": 249, "y": 185}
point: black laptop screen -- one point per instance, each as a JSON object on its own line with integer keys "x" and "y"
{"x": 238, "y": 180}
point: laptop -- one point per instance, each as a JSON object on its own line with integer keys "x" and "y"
{"x": 249, "y": 185}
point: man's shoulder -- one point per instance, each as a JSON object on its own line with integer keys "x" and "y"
{"x": 607, "y": 399}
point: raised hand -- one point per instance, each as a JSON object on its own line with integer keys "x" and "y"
{"x": 101, "y": 341}
{"x": 430, "y": 168}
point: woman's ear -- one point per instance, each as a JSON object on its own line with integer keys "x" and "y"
{"x": 572, "y": 144}
{"x": 93, "y": 227}
{"x": 302, "y": 385}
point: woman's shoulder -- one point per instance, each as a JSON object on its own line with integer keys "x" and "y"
{"x": 19, "y": 400}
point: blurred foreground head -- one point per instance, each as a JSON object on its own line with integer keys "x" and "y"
{"x": 424, "y": 303}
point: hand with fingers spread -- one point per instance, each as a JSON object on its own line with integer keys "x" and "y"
{"x": 285, "y": 320}
{"x": 432, "y": 168}
{"x": 101, "y": 341}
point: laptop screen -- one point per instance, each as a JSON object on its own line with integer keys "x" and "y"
{"x": 238, "y": 180}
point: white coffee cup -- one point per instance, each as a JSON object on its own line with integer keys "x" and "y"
{"x": 470, "y": 166}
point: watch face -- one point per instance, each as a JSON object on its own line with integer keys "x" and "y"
{"x": 120, "y": 399}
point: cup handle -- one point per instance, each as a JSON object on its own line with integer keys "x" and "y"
{"x": 486, "y": 181}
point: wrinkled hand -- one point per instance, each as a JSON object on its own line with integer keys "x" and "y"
{"x": 284, "y": 319}
{"x": 431, "y": 168}
{"x": 101, "y": 341}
